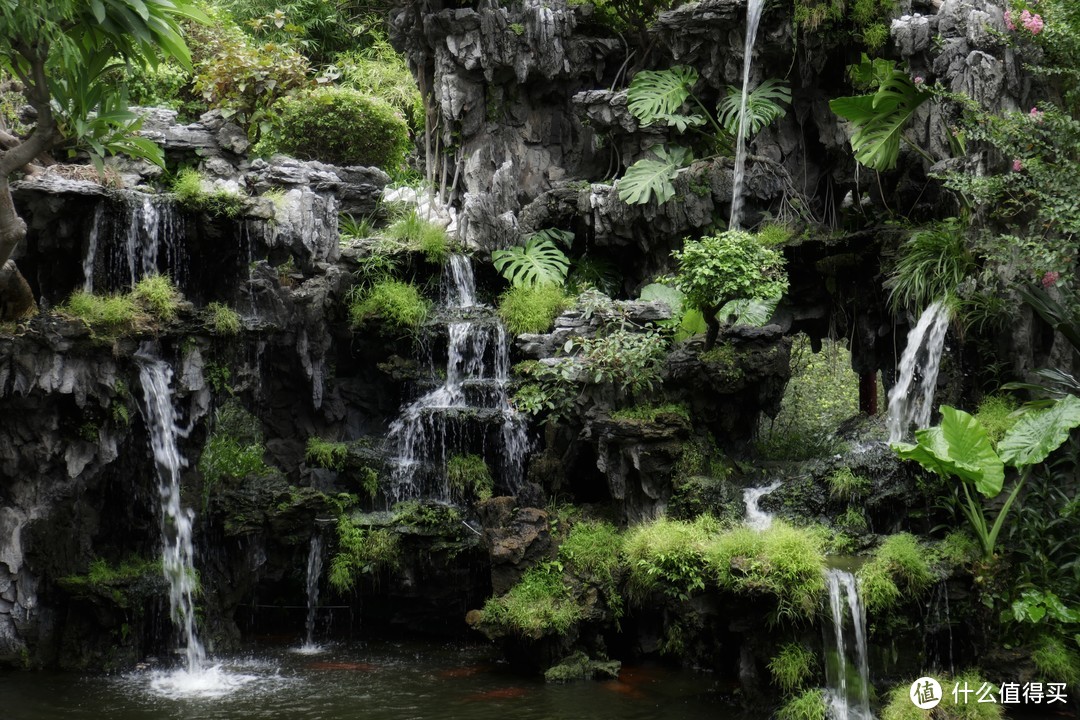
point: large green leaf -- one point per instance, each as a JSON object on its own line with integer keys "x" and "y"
{"x": 539, "y": 262}
{"x": 762, "y": 107}
{"x": 755, "y": 312}
{"x": 958, "y": 447}
{"x": 655, "y": 95}
{"x": 1040, "y": 432}
{"x": 648, "y": 177}
{"x": 672, "y": 297}
{"x": 879, "y": 119}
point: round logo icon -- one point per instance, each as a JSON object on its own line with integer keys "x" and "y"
{"x": 925, "y": 693}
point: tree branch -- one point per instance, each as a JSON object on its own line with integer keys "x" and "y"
{"x": 44, "y": 135}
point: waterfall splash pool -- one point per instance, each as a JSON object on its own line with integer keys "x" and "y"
{"x": 376, "y": 681}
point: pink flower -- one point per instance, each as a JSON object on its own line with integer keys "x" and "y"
{"x": 919, "y": 80}
{"x": 1017, "y": 165}
{"x": 1036, "y": 114}
{"x": 1050, "y": 278}
{"x": 1034, "y": 23}
{"x": 1009, "y": 21}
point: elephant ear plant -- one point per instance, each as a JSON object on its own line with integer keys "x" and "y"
{"x": 960, "y": 448}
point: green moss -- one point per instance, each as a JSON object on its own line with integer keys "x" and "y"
{"x": 158, "y": 295}
{"x": 995, "y": 413}
{"x": 651, "y": 414}
{"x": 785, "y": 562}
{"x": 189, "y": 191}
{"x": 395, "y": 303}
{"x": 223, "y": 319}
{"x": 469, "y": 475}
{"x": 362, "y": 551}
{"x": 900, "y": 569}
{"x": 532, "y": 309}
{"x": 852, "y": 520}
{"x": 808, "y": 706}
{"x": 792, "y": 667}
{"x": 773, "y": 234}
{"x": 326, "y": 454}
{"x": 724, "y": 361}
{"x": 593, "y": 552}
{"x": 430, "y": 516}
{"x": 124, "y": 584}
{"x": 111, "y": 313}
{"x": 1056, "y": 662}
{"x": 898, "y": 705}
{"x": 517, "y": 28}
{"x": 959, "y": 549}
{"x": 844, "y": 484}
{"x": 540, "y": 604}
{"x": 668, "y": 556}
{"x": 580, "y": 666}
{"x": 422, "y": 236}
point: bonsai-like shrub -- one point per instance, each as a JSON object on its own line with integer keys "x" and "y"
{"x": 339, "y": 126}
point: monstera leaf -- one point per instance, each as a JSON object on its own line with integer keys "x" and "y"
{"x": 656, "y": 95}
{"x": 1040, "y": 432}
{"x": 653, "y": 177}
{"x": 539, "y": 262}
{"x": 879, "y": 119}
{"x": 958, "y": 447}
{"x": 672, "y": 297}
{"x": 762, "y": 107}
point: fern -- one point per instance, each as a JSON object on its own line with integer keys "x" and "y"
{"x": 538, "y": 263}
{"x": 657, "y": 95}
{"x": 879, "y": 118}
{"x": 762, "y": 107}
{"x": 648, "y": 177}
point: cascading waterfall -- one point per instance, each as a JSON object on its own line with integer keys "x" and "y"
{"x": 176, "y": 523}
{"x": 314, "y": 572}
{"x": 754, "y": 9}
{"x": 911, "y": 398}
{"x": 148, "y": 228}
{"x": 757, "y": 518}
{"x": 91, "y": 248}
{"x": 846, "y": 668}
{"x": 474, "y": 390}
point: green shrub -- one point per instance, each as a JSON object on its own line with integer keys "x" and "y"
{"x": 808, "y": 706}
{"x": 532, "y": 310}
{"x": 650, "y": 414}
{"x": 879, "y": 592}
{"x": 326, "y": 454}
{"x": 234, "y": 448}
{"x": 381, "y": 71}
{"x": 395, "y": 303}
{"x": 158, "y": 295}
{"x": 899, "y": 569}
{"x": 785, "y": 562}
{"x": 668, "y": 556}
{"x": 931, "y": 265}
{"x": 959, "y": 549}
{"x": 593, "y": 551}
{"x": 898, "y": 704}
{"x": 339, "y": 126}
{"x": 995, "y": 413}
{"x": 422, "y": 236}
{"x": 469, "y": 475}
{"x": 1057, "y": 662}
{"x": 223, "y": 319}
{"x": 792, "y": 667}
{"x": 847, "y": 485}
{"x": 538, "y": 605}
{"x": 362, "y": 551}
{"x": 774, "y": 234}
{"x": 112, "y": 313}
{"x": 189, "y": 192}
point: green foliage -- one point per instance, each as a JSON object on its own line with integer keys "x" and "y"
{"x": 326, "y": 454}
{"x": 361, "y": 551}
{"x": 958, "y": 549}
{"x": 540, "y": 604}
{"x": 158, "y": 295}
{"x": 1056, "y": 662}
{"x": 785, "y": 562}
{"x": 810, "y": 705}
{"x": 627, "y": 358}
{"x": 539, "y": 262}
{"x": 531, "y": 309}
{"x": 997, "y": 414}
{"x": 879, "y": 591}
{"x": 422, "y": 236}
{"x": 879, "y": 118}
{"x": 668, "y": 556}
{"x": 189, "y": 191}
{"x": 234, "y": 448}
{"x": 651, "y": 414}
{"x": 845, "y": 484}
{"x": 900, "y": 707}
{"x": 593, "y": 551}
{"x": 899, "y": 571}
{"x": 469, "y": 475}
{"x": 381, "y": 71}
{"x": 223, "y": 319}
{"x": 339, "y": 126}
{"x": 653, "y": 177}
{"x": 792, "y": 667}
{"x": 762, "y": 107}
{"x": 395, "y": 303}
{"x": 352, "y": 229}
{"x": 112, "y": 313}
{"x": 656, "y": 96}
{"x": 852, "y": 521}
{"x": 931, "y": 265}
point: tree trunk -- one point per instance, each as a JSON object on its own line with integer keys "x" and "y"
{"x": 16, "y": 297}
{"x": 12, "y": 227}
{"x": 713, "y": 324}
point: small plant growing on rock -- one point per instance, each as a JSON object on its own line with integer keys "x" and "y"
{"x": 223, "y": 319}
{"x": 810, "y": 705}
{"x": 326, "y": 454}
{"x": 844, "y": 484}
{"x": 532, "y": 309}
{"x": 469, "y": 475}
{"x": 158, "y": 295}
{"x": 899, "y": 569}
{"x": 362, "y": 551}
{"x": 397, "y": 304}
{"x": 792, "y": 667}
{"x": 190, "y": 192}
{"x": 423, "y": 236}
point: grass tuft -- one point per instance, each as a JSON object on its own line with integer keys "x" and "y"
{"x": 532, "y": 310}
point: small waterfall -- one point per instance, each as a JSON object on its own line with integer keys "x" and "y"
{"x": 176, "y": 522}
{"x": 148, "y": 228}
{"x": 754, "y": 9}
{"x": 314, "y": 572}
{"x": 92, "y": 247}
{"x": 444, "y": 420}
{"x": 846, "y": 669}
{"x": 911, "y": 398}
{"x": 757, "y": 518}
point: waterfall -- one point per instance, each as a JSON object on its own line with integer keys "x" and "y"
{"x": 846, "y": 668}
{"x": 314, "y": 572}
{"x": 754, "y": 9}
{"x": 757, "y": 518}
{"x": 911, "y": 398}
{"x": 176, "y": 521}
{"x": 444, "y": 420}
{"x": 148, "y": 229}
{"x": 91, "y": 248}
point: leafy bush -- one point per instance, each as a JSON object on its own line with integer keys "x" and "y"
{"x": 469, "y": 475}
{"x": 1057, "y": 662}
{"x": 225, "y": 456}
{"x": 538, "y": 605}
{"x": 158, "y": 295}
{"x": 668, "y": 556}
{"x": 381, "y": 71}
{"x": 223, "y": 319}
{"x": 531, "y": 309}
{"x": 339, "y": 126}
{"x": 327, "y": 454}
{"x": 762, "y": 107}
{"x": 996, "y": 414}
{"x": 931, "y": 265}
{"x": 189, "y": 191}
{"x": 361, "y": 551}
{"x": 847, "y": 485}
{"x": 792, "y": 667}
{"x": 421, "y": 235}
{"x": 808, "y": 706}
{"x": 899, "y": 569}
{"x": 395, "y": 303}
{"x": 593, "y": 551}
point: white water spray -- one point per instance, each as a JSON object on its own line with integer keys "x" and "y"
{"x": 314, "y": 572}
{"x": 757, "y": 518}
{"x": 754, "y": 9}
{"x": 912, "y": 397}
{"x": 847, "y": 669}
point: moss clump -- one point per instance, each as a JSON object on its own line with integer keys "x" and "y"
{"x": 158, "y": 295}
{"x": 785, "y": 562}
{"x": 1056, "y": 662}
{"x": 900, "y": 707}
{"x": 668, "y": 556}
{"x": 339, "y": 126}
{"x": 223, "y": 319}
{"x": 792, "y": 667}
{"x": 422, "y": 236}
{"x": 122, "y": 584}
{"x": 189, "y": 190}
{"x": 469, "y": 475}
{"x": 810, "y": 705}
{"x": 651, "y": 414}
{"x": 900, "y": 568}
{"x": 326, "y": 454}
{"x": 580, "y": 666}
{"x": 112, "y": 313}
{"x": 395, "y": 303}
{"x": 959, "y": 549}
{"x": 773, "y": 234}
{"x": 532, "y": 309}
{"x": 540, "y": 604}
{"x": 844, "y": 484}
{"x": 995, "y": 413}
{"x": 593, "y": 552}
{"x": 362, "y": 551}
